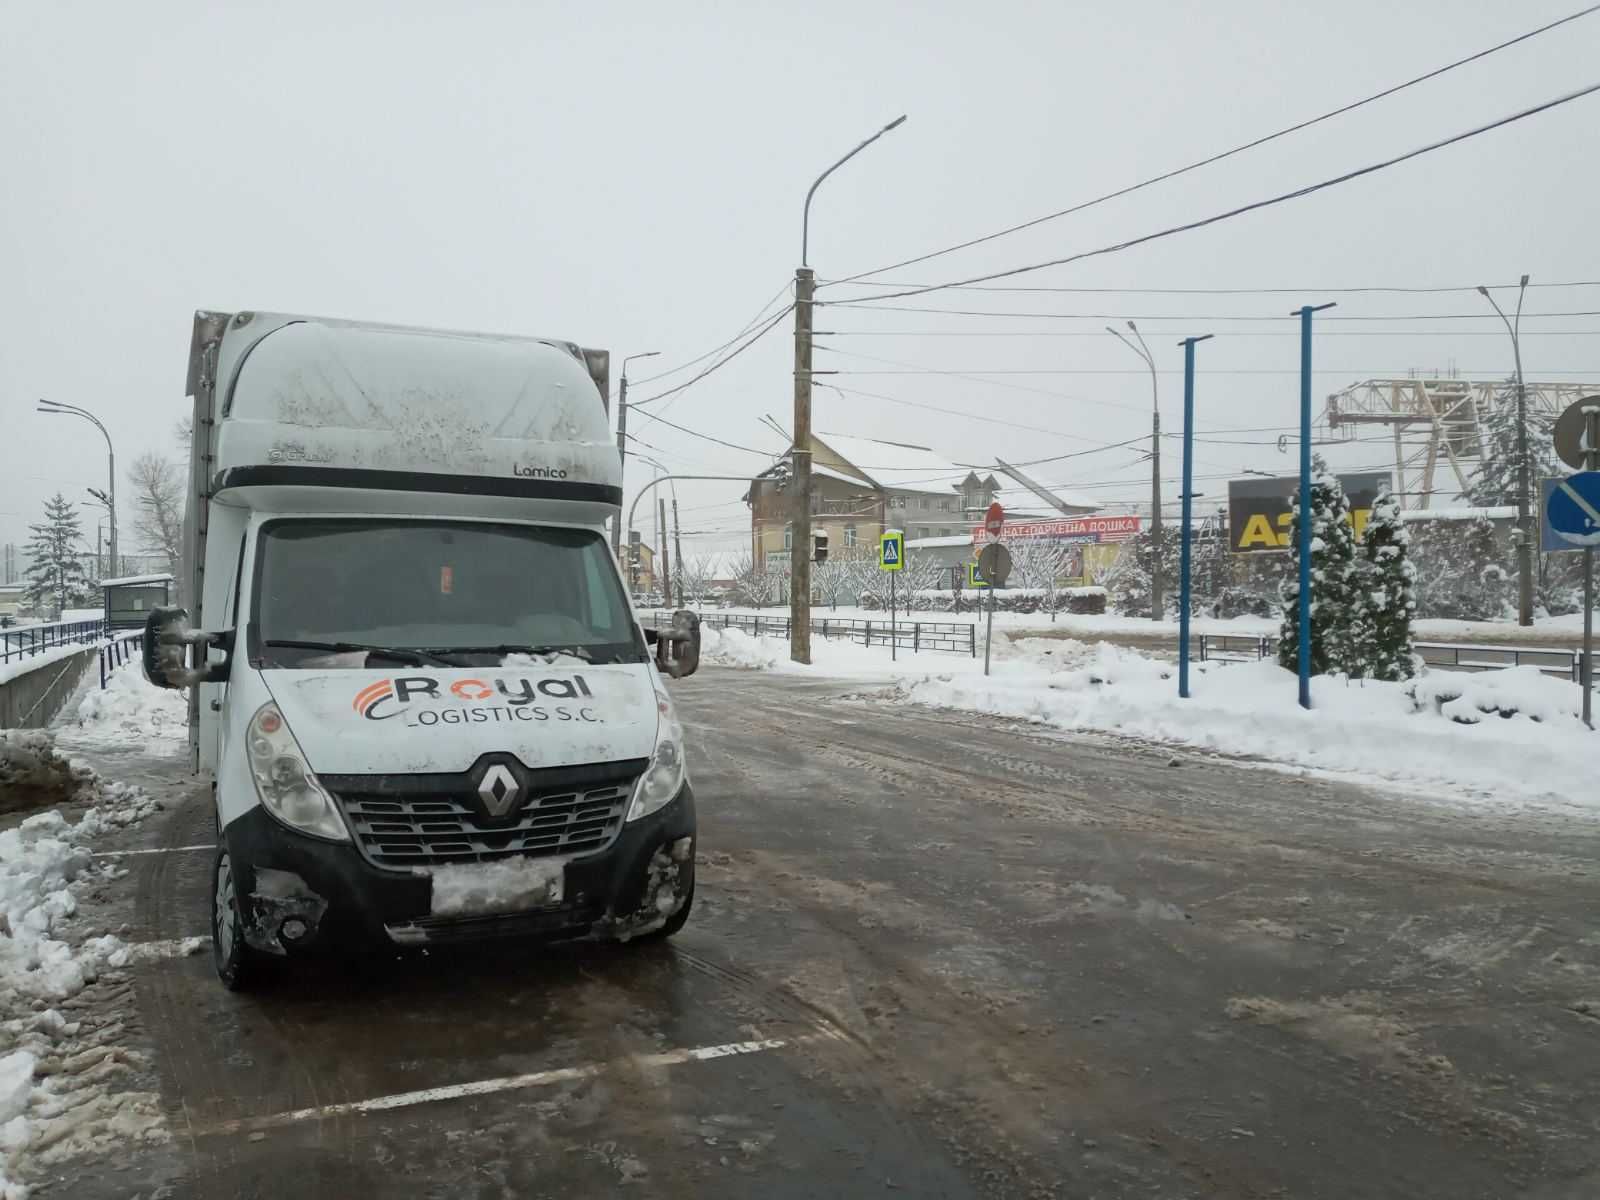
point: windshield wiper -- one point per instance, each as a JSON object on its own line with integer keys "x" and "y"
{"x": 512, "y": 648}
{"x": 415, "y": 658}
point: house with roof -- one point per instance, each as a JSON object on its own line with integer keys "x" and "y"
{"x": 860, "y": 487}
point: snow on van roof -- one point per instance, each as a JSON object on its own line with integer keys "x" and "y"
{"x": 129, "y": 580}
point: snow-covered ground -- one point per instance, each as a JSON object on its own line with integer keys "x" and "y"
{"x": 59, "y": 1073}
{"x": 1545, "y": 630}
{"x": 1509, "y": 734}
{"x": 129, "y": 710}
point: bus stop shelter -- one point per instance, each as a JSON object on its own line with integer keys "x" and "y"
{"x": 130, "y": 599}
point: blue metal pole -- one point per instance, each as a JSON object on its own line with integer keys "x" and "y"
{"x": 1188, "y": 506}
{"x": 1305, "y": 501}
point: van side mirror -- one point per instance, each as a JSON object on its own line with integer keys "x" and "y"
{"x": 678, "y": 648}
{"x": 167, "y": 637}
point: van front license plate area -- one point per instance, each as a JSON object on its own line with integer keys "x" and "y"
{"x": 509, "y": 885}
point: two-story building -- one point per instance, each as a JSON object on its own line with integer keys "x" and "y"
{"x": 859, "y": 488}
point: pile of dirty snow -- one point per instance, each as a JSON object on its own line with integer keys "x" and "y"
{"x": 736, "y": 648}
{"x": 32, "y": 775}
{"x": 55, "y": 1077}
{"x": 131, "y": 709}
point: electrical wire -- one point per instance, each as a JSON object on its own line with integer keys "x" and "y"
{"x": 982, "y": 374}
{"x": 1216, "y": 158}
{"x": 954, "y": 412}
{"x": 1255, "y": 205}
{"x": 761, "y": 315}
{"x": 1273, "y": 291}
{"x": 1252, "y": 333}
{"x": 706, "y": 437}
{"x": 865, "y": 305}
{"x": 1019, "y": 387}
{"x": 718, "y": 365}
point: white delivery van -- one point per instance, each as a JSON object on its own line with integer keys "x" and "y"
{"x": 426, "y": 705}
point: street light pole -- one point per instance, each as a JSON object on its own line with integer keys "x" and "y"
{"x": 51, "y": 406}
{"x": 1157, "y": 607}
{"x": 622, "y": 440}
{"x": 800, "y": 454}
{"x": 1524, "y": 522}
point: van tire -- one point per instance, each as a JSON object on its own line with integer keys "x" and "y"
{"x": 238, "y": 963}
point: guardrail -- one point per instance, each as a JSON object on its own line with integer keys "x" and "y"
{"x": 1561, "y": 662}
{"x": 28, "y": 640}
{"x": 954, "y": 637}
{"x": 116, "y": 651}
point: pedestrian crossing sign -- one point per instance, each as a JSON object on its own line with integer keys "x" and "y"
{"x": 975, "y": 578}
{"x": 892, "y": 551}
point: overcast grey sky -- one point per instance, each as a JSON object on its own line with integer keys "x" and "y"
{"x": 631, "y": 176}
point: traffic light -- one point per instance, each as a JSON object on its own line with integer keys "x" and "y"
{"x": 819, "y": 543}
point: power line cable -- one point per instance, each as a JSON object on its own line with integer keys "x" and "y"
{"x": 1281, "y": 198}
{"x": 1251, "y": 333}
{"x": 718, "y": 365}
{"x": 761, "y": 315}
{"x": 954, "y": 412}
{"x": 1216, "y": 158}
{"x": 865, "y": 304}
{"x": 1273, "y": 291}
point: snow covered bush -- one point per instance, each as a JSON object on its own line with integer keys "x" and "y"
{"x": 1129, "y": 579}
{"x": 1388, "y": 597}
{"x": 1523, "y": 692}
{"x": 1334, "y": 593}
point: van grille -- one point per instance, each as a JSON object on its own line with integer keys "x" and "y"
{"x": 407, "y": 829}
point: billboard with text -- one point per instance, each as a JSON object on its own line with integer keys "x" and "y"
{"x": 1260, "y": 510}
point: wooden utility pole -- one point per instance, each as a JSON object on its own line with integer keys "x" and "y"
{"x": 677, "y": 545}
{"x": 666, "y": 564}
{"x": 622, "y": 453}
{"x": 800, "y": 474}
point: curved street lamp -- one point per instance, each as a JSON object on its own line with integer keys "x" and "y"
{"x": 1524, "y": 525}
{"x": 51, "y": 406}
{"x": 804, "y": 287}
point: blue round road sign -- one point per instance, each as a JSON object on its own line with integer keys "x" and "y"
{"x": 1573, "y": 510}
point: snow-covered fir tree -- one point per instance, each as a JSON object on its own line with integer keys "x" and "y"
{"x": 1128, "y": 580}
{"x": 1334, "y": 593}
{"x": 1495, "y": 479}
{"x": 1381, "y": 647}
{"x": 55, "y": 578}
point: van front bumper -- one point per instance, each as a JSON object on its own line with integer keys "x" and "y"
{"x": 298, "y": 893}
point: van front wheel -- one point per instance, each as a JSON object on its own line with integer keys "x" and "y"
{"x": 238, "y": 965}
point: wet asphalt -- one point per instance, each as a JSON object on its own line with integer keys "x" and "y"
{"x": 951, "y": 957}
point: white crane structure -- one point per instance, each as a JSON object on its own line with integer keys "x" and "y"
{"x": 1436, "y": 420}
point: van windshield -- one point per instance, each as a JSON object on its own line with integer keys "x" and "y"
{"x": 447, "y": 592}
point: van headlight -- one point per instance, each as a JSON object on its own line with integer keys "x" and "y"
{"x": 284, "y": 780}
{"x": 665, "y": 776}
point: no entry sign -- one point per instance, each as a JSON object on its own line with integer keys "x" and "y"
{"x": 994, "y": 520}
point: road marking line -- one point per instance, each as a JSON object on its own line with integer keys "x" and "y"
{"x": 152, "y": 850}
{"x": 486, "y": 1087}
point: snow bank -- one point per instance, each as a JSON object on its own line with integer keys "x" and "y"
{"x": 44, "y": 862}
{"x": 1432, "y": 731}
{"x": 21, "y": 666}
{"x": 131, "y": 709}
{"x": 736, "y": 648}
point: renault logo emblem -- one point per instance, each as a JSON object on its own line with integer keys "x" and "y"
{"x": 499, "y": 790}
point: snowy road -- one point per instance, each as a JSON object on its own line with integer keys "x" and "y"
{"x": 932, "y": 955}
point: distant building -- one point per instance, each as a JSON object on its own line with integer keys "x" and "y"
{"x": 10, "y": 600}
{"x": 859, "y": 488}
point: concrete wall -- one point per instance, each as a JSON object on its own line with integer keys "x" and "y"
{"x": 31, "y": 700}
